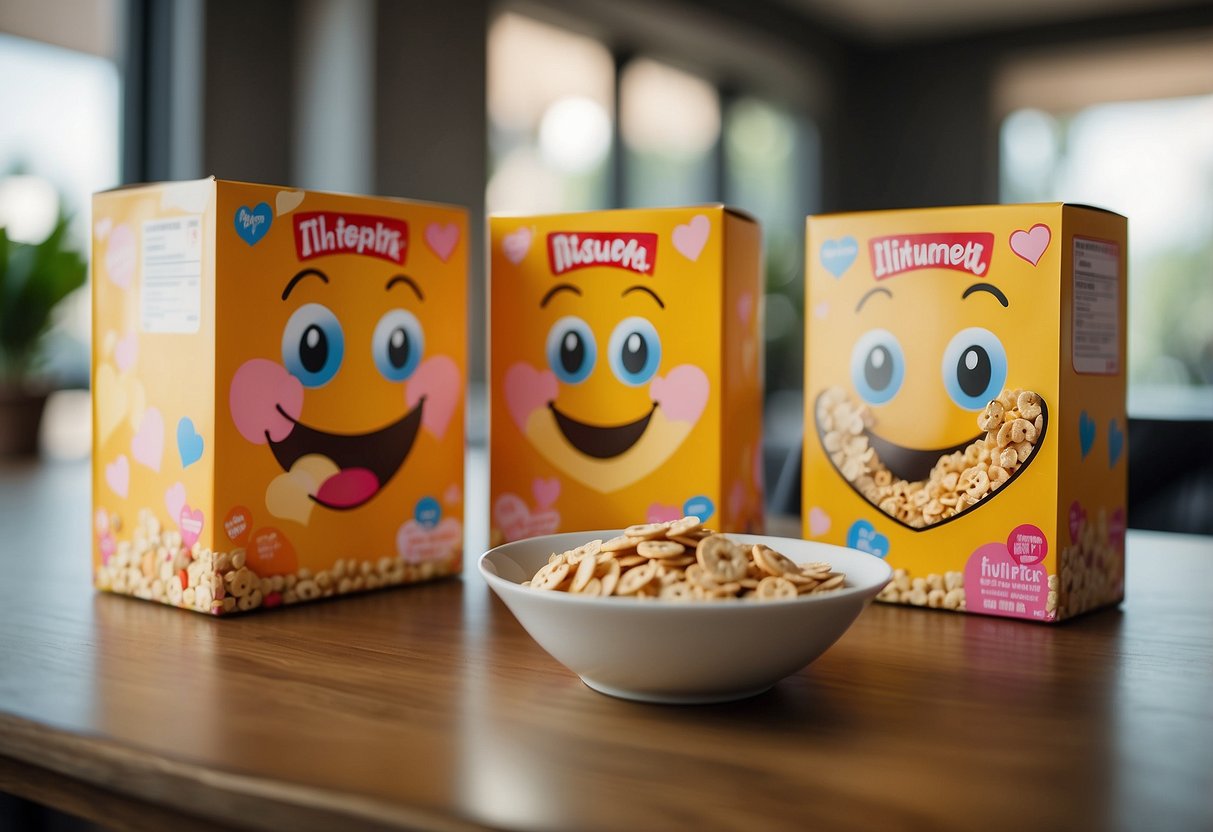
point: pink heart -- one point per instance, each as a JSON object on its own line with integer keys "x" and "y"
{"x": 190, "y": 523}
{"x": 545, "y": 491}
{"x": 439, "y": 381}
{"x": 118, "y": 475}
{"x": 690, "y": 239}
{"x": 682, "y": 393}
{"x": 514, "y": 518}
{"x": 258, "y": 389}
{"x": 1031, "y": 244}
{"x": 125, "y": 351}
{"x": 527, "y": 390}
{"x": 442, "y": 239}
{"x": 1078, "y": 519}
{"x": 120, "y": 255}
{"x": 106, "y": 545}
{"x": 174, "y": 499}
{"x": 147, "y": 446}
{"x": 819, "y": 522}
{"x": 516, "y": 245}
{"x": 658, "y": 513}
{"x": 416, "y": 544}
{"x": 745, "y": 305}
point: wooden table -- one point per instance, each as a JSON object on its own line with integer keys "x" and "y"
{"x": 430, "y": 707}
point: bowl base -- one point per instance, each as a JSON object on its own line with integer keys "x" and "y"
{"x": 675, "y": 698}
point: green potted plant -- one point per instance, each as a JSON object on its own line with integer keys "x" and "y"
{"x": 33, "y": 280}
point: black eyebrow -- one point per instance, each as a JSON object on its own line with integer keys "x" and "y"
{"x": 646, "y": 289}
{"x": 559, "y": 287}
{"x": 879, "y": 290}
{"x": 404, "y": 278}
{"x": 305, "y": 273}
{"x": 986, "y": 287}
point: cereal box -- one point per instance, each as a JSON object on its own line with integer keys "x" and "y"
{"x": 278, "y": 383}
{"x": 625, "y": 370}
{"x": 965, "y": 403}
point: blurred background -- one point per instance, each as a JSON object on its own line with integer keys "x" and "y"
{"x": 779, "y": 107}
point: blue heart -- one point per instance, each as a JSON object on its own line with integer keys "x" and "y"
{"x": 1116, "y": 443}
{"x": 1086, "y": 433}
{"x": 838, "y": 255}
{"x": 189, "y": 443}
{"x": 863, "y": 536}
{"x": 700, "y": 507}
{"x": 253, "y": 223}
{"x": 428, "y": 512}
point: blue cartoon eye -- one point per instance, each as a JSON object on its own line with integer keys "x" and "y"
{"x": 397, "y": 344}
{"x": 571, "y": 349}
{"x": 878, "y": 366}
{"x": 974, "y": 367}
{"x": 634, "y": 351}
{"x": 312, "y": 345}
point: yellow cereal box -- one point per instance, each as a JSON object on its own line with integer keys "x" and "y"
{"x": 278, "y": 383}
{"x": 625, "y": 370}
{"x": 965, "y": 403}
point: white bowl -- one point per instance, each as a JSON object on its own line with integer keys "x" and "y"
{"x": 660, "y": 651}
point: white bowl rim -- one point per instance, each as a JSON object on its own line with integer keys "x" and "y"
{"x": 624, "y": 602}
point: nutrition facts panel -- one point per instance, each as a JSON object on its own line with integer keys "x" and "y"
{"x": 170, "y": 290}
{"x": 1096, "y": 308}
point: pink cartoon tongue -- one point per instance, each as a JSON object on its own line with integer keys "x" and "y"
{"x": 348, "y": 487}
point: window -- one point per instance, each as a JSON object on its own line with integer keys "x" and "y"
{"x": 1152, "y": 160}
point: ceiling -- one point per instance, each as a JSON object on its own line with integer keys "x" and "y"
{"x": 897, "y": 20}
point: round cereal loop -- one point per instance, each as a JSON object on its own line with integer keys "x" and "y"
{"x": 774, "y": 563}
{"x": 833, "y": 582}
{"x": 586, "y": 550}
{"x": 991, "y": 417}
{"x": 646, "y": 531}
{"x": 773, "y": 588}
{"x": 628, "y": 561}
{"x": 636, "y": 579}
{"x": 721, "y": 559}
{"x": 550, "y": 576}
{"x": 622, "y": 543}
{"x": 686, "y": 525}
{"x": 677, "y": 592}
{"x": 659, "y": 548}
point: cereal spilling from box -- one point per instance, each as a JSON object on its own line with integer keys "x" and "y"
{"x": 966, "y": 389}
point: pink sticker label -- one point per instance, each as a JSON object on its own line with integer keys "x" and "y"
{"x": 996, "y": 583}
{"x": 1027, "y": 544}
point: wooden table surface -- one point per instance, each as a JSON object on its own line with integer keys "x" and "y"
{"x": 429, "y": 707}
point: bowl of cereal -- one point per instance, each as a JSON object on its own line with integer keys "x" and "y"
{"x": 673, "y": 613}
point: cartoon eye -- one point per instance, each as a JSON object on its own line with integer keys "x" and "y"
{"x": 877, "y": 366}
{"x": 312, "y": 345}
{"x": 397, "y": 344}
{"x": 634, "y": 351}
{"x": 571, "y": 349}
{"x": 974, "y": 367}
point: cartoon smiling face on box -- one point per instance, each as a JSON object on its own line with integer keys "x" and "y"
{"x": 343, "y": 373}
{"x": 922, "y": 329}
{"x": 606, "y": 367}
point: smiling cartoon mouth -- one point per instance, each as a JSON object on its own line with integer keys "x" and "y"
{"x": 366, "y": 461}
{"x": 601, "y": 441}
{"x": 921, "y": 489}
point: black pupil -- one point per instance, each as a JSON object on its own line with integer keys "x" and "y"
{"x": 314, "y": 349}
{"x": 572, "y": 352}
{"x": 973, "y": 371}
{"x": 878, "y": 369}
{"x": 635, "y": 353}
{"x": 398, "y": 348}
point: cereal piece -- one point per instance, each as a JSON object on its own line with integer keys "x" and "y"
{"x": 585, "y": 574}
{"x": 636, "y": 579}
{"x": 680, "y": 592}
{"x": 628, "y": 561}
{"x": 646, "y": 531}
{"x": 622, "y": 543}
{"x": 772, "y": 562}
{"x": 935, "y": 598}
{"x": 592, "y": 587}
{"x": 659, "y": 548}
{"x": 991, "y": 417}
{"x": 721, "y": 559}
{"x": 550, "y": 576}
{"x": 1028, "y": 405}
{"x": 685, "y": 526}
{"x": 773, "y": 588}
